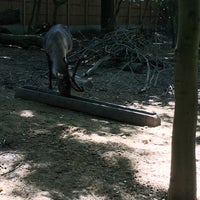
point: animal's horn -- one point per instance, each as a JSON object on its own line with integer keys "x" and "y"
{"x": 75, "y": 85}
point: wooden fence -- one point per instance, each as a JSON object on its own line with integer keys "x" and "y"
{"x": 85, "y": 12}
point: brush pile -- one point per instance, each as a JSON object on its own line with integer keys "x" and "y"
{"x": 139, "y": 52}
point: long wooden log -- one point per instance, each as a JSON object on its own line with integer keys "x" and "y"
{"x": 24, "y": 41}
{"x": 93, "y": 107}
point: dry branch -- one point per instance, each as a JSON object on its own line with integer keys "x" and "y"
{"x": 129, "y": 47}
{"x": 96, "y": 65}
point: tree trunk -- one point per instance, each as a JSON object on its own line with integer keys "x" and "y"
{"x": 118, "y": 5}
{"x": 183, "y": 167}
{"x": 172, "y": 20}
{"x": 57, "y": 4}
{"x": 107, "y": 15}
{"x": 55, "y": 11}
{"x": 34, "y": 16}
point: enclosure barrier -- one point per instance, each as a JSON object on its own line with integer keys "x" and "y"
{"x": 98, "y": 108}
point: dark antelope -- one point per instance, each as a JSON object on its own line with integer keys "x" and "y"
{"x": 58, "y": 43}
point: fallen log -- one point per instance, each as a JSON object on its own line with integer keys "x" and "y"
{"x": 89, "y": 106}
{"x": 24, "y": 41}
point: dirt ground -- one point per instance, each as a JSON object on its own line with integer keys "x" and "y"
{"x": 50, "y": 153}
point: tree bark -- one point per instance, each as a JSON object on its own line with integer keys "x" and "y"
{"x": 57, "y": 4}
{"x": 34, "y": 16}
{"x": 183, "y": 167}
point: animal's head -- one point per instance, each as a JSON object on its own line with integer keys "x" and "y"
{"x": 67, "y": 80}
{"x": 78, "y": 83}
{"x": 64, "y": 86}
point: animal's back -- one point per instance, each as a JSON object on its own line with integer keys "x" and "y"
{"x": 58, "y": 43}
{"x": 58, "y": 35}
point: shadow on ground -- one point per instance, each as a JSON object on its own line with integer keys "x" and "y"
{"x": 67, "y": 166}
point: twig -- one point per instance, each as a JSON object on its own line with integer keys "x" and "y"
{"x": 147, "y": 77}
{"x": 13, "y": 169}
{"x": 97, "y": 64}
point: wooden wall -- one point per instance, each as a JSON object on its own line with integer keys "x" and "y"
{"x": 85, "y": 12}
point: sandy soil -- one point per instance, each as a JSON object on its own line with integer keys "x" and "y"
{"x": 50, "y": 153}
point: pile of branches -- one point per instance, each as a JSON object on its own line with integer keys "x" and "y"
{"x": 139, "y": 52}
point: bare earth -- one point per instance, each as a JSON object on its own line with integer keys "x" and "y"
{"x": 49, "y": 153}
